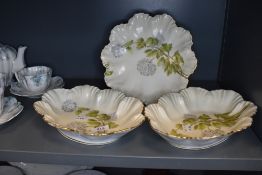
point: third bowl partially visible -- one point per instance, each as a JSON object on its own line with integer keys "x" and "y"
{"x": 196, "y": 118}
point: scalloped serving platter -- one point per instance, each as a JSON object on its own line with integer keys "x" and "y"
{"x": 148, "y": 57}
{"x": 91, "y": 116}
{"x": 200, "y": 115}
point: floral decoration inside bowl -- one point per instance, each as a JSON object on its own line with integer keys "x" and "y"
{"x": 88, "y": 111}
{"x": 196, "y": 113}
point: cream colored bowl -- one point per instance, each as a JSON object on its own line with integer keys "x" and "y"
{"x": 196, "y": 118}
{"x": 91, "y": 116}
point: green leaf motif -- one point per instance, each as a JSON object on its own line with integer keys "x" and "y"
{"x": 78, "y": 112}
{"x": 112, "y": 125}
{"x": 94, "y": 123}
{"x": 151, "y": 41}
{"x": 204, "y": 117}
{"x": 83, "y": 109}
{"x": 166, "y": 47}
{"x": 175, "y": 133}
{"x": 92, "y": 113}
{"x": 159, "y": 51}
{"x": 224, "y": 115}
{"x": 202, "y": 126}
{"x": 211, "y": 123}
{"x": 140, "y": 43}
{"x": 148, "y": 51}
{"x": 179, "y": 126}
{"x": 189, "y": 121}
{"x": 128, "y": 43}
{"x": 152, "y": 53}
{"x": 161, "y": 61}
{"x": 217, "y": 124}
{"x": 178, "y": 58}
{"x": 103, "y": 117}
{"x": 106, "y": 65}
{"x": 95, "y": 118}
{"x": 108, "y": 73}
{"x": 129, "y": 48}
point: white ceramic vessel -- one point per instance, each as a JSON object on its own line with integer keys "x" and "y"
{"x": 1, "y": 99}
{"x": 35, "y": 79}
{"x": 11, "y": 109}
{"x": 11, "y": 61}
{"x": 196, "y": 118}
{"x": 91, "y": 140}
{"x": 148, "y": 57}
{"x": 2, "y": 80}
{"x": 19, "y": 90}
{"x": 90, "y": 116}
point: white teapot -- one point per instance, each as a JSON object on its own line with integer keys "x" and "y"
{"x": 11, "y": 61}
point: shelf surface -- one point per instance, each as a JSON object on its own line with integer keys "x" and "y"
{"x": 28, "y": 139}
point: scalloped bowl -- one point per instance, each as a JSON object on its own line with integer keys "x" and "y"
{"x": 90, "y": 116}
{"x": 146, "y": 53}
{"x": 196, "y": 118}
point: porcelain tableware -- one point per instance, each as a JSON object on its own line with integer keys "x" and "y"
{"x": 2, "y": 79}
{"x": 17, "y": 89}
{"x": 11, "y": 109}
{"x": 88, "y": 115}
{"x": 11, "y": 61}
{"x": 148, "y": 57}
{"x": 196, "y": 118}
{"x": 35, "y": 79}
{"x": 2, "y": 89}
{"x": 1, "y": 99}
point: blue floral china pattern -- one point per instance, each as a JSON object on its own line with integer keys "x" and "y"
{"x": 19, "y": 90}
{"x": 10, "y": 110}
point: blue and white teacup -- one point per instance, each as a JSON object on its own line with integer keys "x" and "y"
{"x": 35, "y": 79}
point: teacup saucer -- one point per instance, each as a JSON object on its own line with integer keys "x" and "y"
{"x": 17, "y": 89}
{"x": 11, "y": 109}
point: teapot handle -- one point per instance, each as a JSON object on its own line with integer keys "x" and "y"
{"x": 19, "y": 62}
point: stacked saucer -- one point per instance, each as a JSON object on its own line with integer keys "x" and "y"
{"x": 9, "y": 106}
{"x": 33, "y": 82}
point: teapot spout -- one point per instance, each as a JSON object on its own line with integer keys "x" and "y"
{"x": 19, "y": 62}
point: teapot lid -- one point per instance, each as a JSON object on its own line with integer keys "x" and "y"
{"x": 7, "y": 52}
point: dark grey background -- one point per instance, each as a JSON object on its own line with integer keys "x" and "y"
{"x": 241, "y": 68}
{"x": 69, "y": 35}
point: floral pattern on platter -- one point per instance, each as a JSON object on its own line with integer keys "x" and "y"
{"x": 208, "y": 124}
{"x": 108, "y": 72}
{"x": 118, "y": 50}
{"x": 154, "y": 50}
{"x": 146, "y": 67}
{"x": 90, "y": 119}
{"x": 69, "y": 106}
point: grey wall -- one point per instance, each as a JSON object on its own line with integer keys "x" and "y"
{"x": 242, "y": 62}
{"x": 69, "y": 35}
